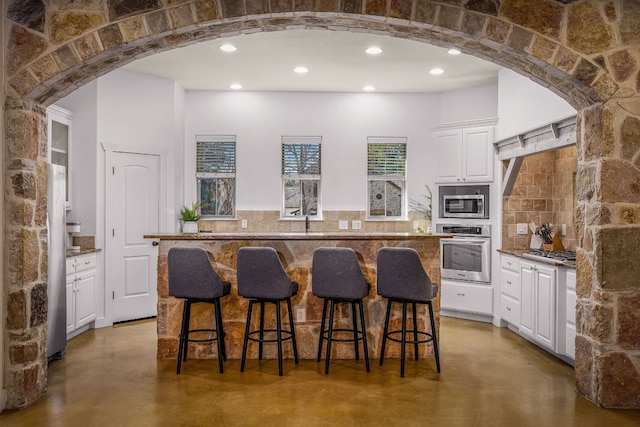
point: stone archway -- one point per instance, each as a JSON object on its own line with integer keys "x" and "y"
{"x": 587, "y": 52}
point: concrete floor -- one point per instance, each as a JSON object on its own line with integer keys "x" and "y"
{"x": 490, "y": 377}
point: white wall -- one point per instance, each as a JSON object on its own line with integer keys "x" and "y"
{"x": 469, "y": 104}
{"x": 524, "y": 105}
{"x": 343, "y": 120}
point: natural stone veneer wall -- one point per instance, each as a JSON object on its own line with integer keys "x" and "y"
{"x": 586, "y": 51}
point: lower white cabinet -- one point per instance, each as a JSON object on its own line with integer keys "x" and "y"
{"x": 570, "y": 325}
{"x": 466, "y": 297}
{"x": 81, "y": 293}
{"x": 538, "y": 303}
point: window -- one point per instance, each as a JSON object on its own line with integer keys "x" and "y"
{"x": 301, "y": 172}
{"x": 386, "y": 171}
{"x": 216, "y": 175}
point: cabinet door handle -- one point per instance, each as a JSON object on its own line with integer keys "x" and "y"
{"x": 509, "y": 308}
{"x": 460, "y": 294}
{"x": 508, "y": 282}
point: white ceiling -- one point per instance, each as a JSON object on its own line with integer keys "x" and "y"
{"x": 336, "y": 60}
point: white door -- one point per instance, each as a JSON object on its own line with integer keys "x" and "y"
{"x": 135, "y": 212}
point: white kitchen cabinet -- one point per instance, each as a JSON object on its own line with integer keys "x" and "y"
{"x": 538, "y": 303}
{"x": 510, "y": 289}
{"x": 466, "y": 297}
{"x": 570, "y": 311}
{"x": 464, "y": 155}
{"x": 60, "y": 122}
{"x": 81, "y": 293}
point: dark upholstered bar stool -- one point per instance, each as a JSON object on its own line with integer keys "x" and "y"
{"x": 262, "y": 279}
{"x": 192, "y": 277}
{"x": 337, "y": 277}
{"x": 401, "y": 278}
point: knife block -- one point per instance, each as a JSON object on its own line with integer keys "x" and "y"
{"x": 555, "y": 245}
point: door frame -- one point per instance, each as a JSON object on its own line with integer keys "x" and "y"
{"x": 110, "y": 150}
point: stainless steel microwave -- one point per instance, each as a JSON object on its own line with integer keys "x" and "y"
{"x": 464, "y": 201}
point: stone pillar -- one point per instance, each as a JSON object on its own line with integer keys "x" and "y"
{"x": 25, "y": 274}
{"x": 608, "y": 263}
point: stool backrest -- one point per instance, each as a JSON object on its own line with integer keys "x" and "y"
{"x": 261, "y": 275}
{"x": 402, "y": 276}
{"x": 336, "y": 274}
{"x": 191, "y": 274}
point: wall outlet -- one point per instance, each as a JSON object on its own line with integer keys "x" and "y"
{"x": 416, "y": 224}
{"x": 343, "y": 224}
{"x": 244, "y": 223}
{"x": 564, "y": 229}
{"x": 356, "y": 224}
{"x": 522, "y": 228}
{"x": 301, "y": 315}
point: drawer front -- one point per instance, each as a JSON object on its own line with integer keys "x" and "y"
{"x": 510, "y": 310}
{"x": 71, "y": 265}
{"x": 509, "y": 263}
{"x": 86, "y": 262}
{"x": 510, "y": 283}
{"x": 468, "y": 298}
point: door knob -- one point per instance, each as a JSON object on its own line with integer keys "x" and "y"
{"x": 155, "y": 243}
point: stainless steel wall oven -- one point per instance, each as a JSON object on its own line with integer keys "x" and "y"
{"x": 467, "y": 256}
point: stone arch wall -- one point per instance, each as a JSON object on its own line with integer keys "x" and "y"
{"x": 587, "y": 51}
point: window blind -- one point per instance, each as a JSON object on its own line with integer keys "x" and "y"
{"x": 386, "y": 159}
{"x": 301, "y": 158}
{"x": 216, "y": 156}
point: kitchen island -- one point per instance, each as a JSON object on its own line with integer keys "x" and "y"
{"x": 296, "y": 253}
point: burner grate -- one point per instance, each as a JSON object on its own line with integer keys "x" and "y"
{"x": 553, "y": 255}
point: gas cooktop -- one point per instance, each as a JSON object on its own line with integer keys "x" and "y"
{"x": 559, "y": 257}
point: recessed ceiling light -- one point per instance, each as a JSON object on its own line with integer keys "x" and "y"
{"x": 454, "y": 52}
{"x": 301, "y": 70}
{"x": 373, "y": 50}
{"x": 228, "y": 48}
{"x": 436, "y": 71}
{"x": 369, "y": 88}
{"x": 235, "y": 86}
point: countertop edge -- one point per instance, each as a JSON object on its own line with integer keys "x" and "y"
{"x": 71, "y": 254}
{"x": 518, "y": 253}
{"x": 297, "y": 236}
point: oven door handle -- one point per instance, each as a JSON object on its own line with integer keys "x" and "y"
{"x": 467, "y": 241}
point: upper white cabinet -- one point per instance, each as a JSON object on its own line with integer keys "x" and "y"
{"x": 464, "y": 152}
{"x": 59, "y": 131}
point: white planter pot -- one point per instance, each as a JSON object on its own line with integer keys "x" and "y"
{"x": 189, "y": 227}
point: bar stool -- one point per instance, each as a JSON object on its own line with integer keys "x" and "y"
{"x": 192, "y": 278}
{"x": 337, "y": 277}
{"x": 262, "y": 279}
{"x": 402, "y": 278}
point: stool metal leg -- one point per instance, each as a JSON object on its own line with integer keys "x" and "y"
{"x": 386, "y": 330}
{"x": 404, "y": 338}
{"x": 322, "y": 331}
{"x": 278, "y": 336}
{"x": 364, "y": 335}
{"x": 261, "y": 330}
{"x": 183, "y": 330}
{"x": 415, "y": 331}
{"x": 355, "y": 329}
{"x": 329, "y": 338}
{"x": 219, "y": 335}
{"x": 293, "y": 332}
{"x": 246, "y": 336}
{"x": 435, "y": 339}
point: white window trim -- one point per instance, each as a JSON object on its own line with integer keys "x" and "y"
{"x": 403, "y": 178}
{"x": 312, "y": 177}
{"x": 204, "y": 175}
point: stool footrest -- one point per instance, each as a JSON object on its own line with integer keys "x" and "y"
{"x": 408, "y": 341}
{"x": 289, "y": 335}
{"x": 360, "y": 336}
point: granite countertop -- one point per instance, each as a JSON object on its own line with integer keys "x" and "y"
{"x": 82, "y": 251}
{"x": 296, "y": 236}
{"x": 519, "y": 254}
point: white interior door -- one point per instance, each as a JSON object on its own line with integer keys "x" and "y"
{"x": 135, "y": 212}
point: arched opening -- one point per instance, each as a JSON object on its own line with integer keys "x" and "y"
{"x": 41, "y": 82}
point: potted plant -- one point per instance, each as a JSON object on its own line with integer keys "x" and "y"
{"x": 190, "y": 217}
{"x": 425, "y": 210}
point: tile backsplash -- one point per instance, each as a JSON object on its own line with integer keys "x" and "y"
{"x": 270, "y": 221}
{"x": 544, "y": 191}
